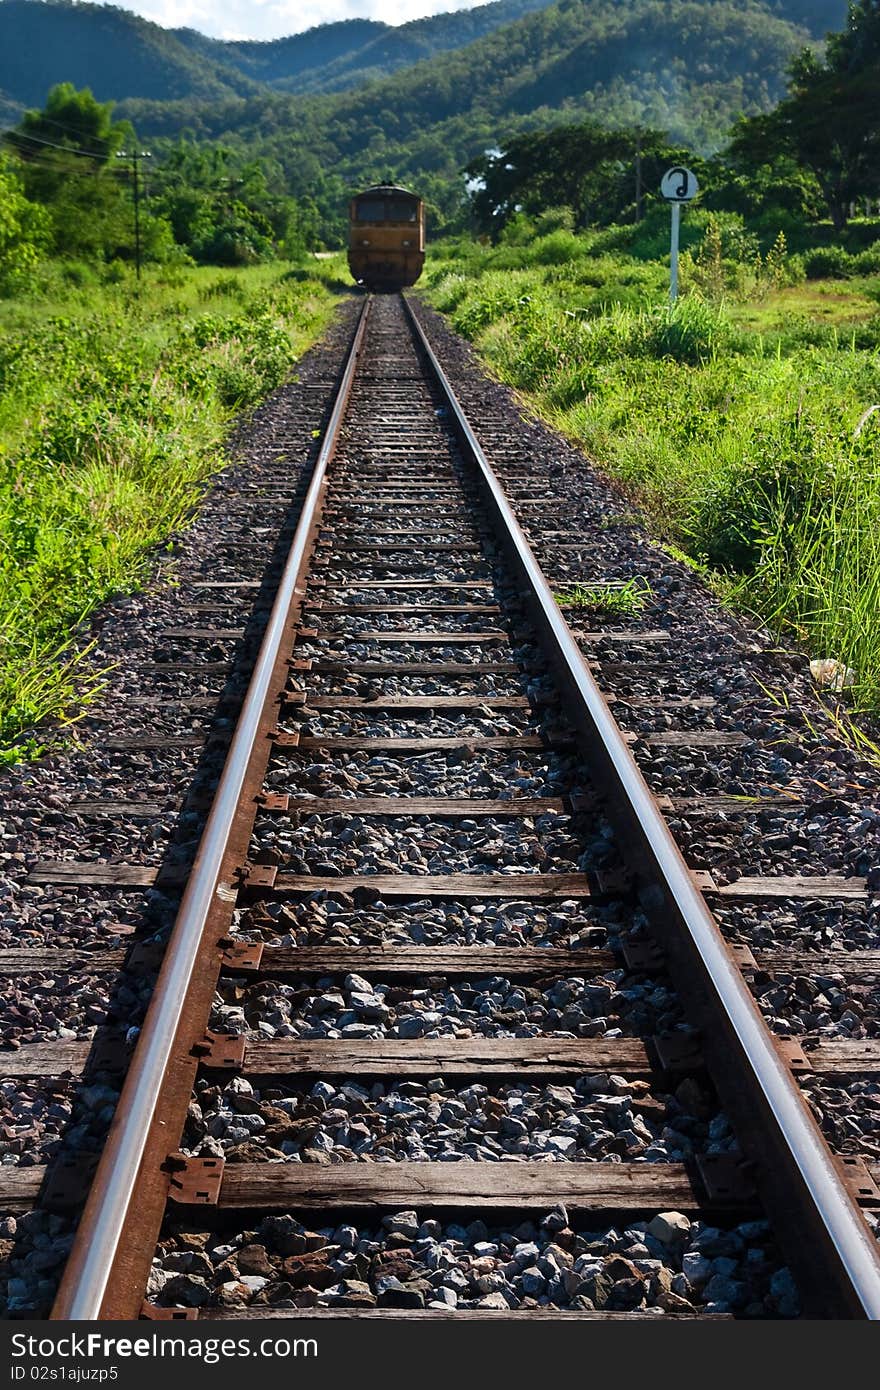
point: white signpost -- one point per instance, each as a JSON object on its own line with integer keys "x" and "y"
{"x": 678, "y": 185}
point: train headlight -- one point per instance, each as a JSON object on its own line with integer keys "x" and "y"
{"x": 364, "y": 242}
{"x": 406, "y": 243}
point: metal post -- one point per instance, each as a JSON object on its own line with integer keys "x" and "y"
{"x": 673, "y": 253}
{"x": 135, "y": 160}
{"x": 639, "y": 177}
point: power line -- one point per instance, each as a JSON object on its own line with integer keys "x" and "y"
{"x": 50, "y": 165}
{"x": 19, "y": 139}
{"x": 44, "y": 160}
{"x": 76, "y": 130}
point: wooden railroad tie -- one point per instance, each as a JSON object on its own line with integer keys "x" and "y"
{"x": 812, "y": 888}
{"x": 355, "y": 608}
{"x": 428, "y": 1315}
{"x": 381, "y": 961}
{"x": 402, "y": 584}
{"x": 547, "y": 1056}
{"x": 406, "y": 637}
{"x": 291, "y": 743}
{"x": 406, "y": 806}
{"x": 407, "y": 702}
{"x": 441, "y": 806}
{"x": 197, "y": 1182}
{"x": 414, "y": 668}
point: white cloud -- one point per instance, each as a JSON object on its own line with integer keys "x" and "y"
{"x": 272, "y": 19}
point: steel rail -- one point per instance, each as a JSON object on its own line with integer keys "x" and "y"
{"x": 114, "y": 1187}
{"x": 797, "y": 1169}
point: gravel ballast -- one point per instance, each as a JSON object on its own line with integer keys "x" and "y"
{"x": 667, "y": 1266}
{"x": 678, "y": 1267}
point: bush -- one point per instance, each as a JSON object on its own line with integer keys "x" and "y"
{"x": 226, "y": 287}
{"x": 555, "y": 220}
{"x": 519, "y": 230}
{"x": 79, "y": 274}
{"x": 558, "y": 248}
{"x": 449, "y": 292}
{"x": 237, "y": 385}
{"x": 112, "y": 413}
{"x": 116, "y": 273}
{"x": 25, "y": 229}
{"x": 828, "y": 263}
{"x": 739, "y": 445}
{"x": 783, "y": 472}
{"x": 501, "y": 295}
{"x": 867, "y": 262}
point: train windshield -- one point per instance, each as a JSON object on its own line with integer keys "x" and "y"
{"x": 386, "y": 210}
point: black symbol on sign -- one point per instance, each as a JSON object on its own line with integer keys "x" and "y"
{"x": 681, "y": 189}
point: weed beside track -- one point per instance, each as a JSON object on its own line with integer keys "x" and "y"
{"x": 113, "y": 410}
{"x": 733, "y": 422}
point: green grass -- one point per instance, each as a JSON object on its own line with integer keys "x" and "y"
{"x": 841, "y": 304}
{"x": 114, "y": 406}
{"x": 731, "y": 418}
{"x": 624, "y": 601}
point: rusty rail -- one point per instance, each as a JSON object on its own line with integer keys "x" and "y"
{"x": 120, "y": 1179}
{"x": 822, "y": 1228}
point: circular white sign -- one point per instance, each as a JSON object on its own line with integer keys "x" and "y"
{"x": 679, "y": 185}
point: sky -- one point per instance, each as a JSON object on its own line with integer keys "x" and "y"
{"x": 272, "y": 19}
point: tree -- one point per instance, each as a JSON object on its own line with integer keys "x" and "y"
{"x": 25, "y": 230}
{"x": 830, "y": 121}
{"x": 585, "y": 167}
{"x": 225, "y": 210}
{"x": 72, "y": 121}
{"x": 68, "y": 163}
{"x": 73, "y": 136}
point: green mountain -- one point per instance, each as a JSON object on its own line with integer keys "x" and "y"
{"x": 286, "y": 60}
{"x": 120, "y": 55}
{"x": 117, "y": 54}
{"x": 114, "y": 52}
{"x": 689, "y": 67}
{"x": 361, "y": 109}
{"x": 335, "y": 56}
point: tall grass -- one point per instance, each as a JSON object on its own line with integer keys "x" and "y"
{"x": 741, "y": 446}
{"x": 817, "y": 574}
{"x": 113, "y": 410}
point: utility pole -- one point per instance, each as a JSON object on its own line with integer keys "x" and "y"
{"x": 639, "y": 177}
{"x": 136, "y": 156}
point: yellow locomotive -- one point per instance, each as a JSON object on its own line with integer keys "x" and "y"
{"x": 386, "y": 238}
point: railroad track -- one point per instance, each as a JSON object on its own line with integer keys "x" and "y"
{"x": 421, "y": 738}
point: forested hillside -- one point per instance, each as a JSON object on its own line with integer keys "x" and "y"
{"x": 114, "y": 52}
{"x": 336, "y": 56}
{"x": 684, "y": 66}
{"x": 117, "y": 54}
